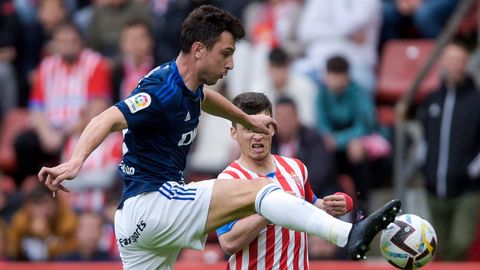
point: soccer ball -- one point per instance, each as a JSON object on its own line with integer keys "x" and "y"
{"x": 409, "y": 242}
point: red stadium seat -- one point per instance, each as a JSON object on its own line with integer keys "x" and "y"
{"x": 400, "y": 62}
{"x": 15, "y": 121}
{"x": 469, "y": 23}
{"x": 386, "y": 115}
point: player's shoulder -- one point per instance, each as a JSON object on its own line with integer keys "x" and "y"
{"x": 161, "y": 83}
{"x": 232, "y": 171}
{"x": 292, "y": 162}
{"x": 159, "y": 78}
{"x": 162, "y": 71}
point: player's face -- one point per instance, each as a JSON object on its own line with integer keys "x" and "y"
{"x": 254, "y": 146}
{"x": 217, "y": 61}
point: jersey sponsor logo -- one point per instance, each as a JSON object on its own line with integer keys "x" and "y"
{"x": 135, "y": 235}
{"x": 138, "y": 102}
{"x": 187, "y": 138}
{"x": 127, "y": 169}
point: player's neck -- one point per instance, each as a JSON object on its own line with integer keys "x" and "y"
{"x": 262, "y": 167}
{"x": 186, "y": 68}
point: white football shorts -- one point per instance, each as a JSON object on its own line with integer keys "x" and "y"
{"x": 152, "y": 228}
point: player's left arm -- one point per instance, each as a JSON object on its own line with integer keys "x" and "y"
{"x": 218, "y": 105}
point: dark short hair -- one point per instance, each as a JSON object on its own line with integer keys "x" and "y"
{"x": 278, "y": 57}
{"x": 337, "y": 64}
{"x": 38, "y": 193}
{"x": 134, "y": 22}
{"x": 286, "y": 100}
{"x": 461, "y": 43}
{"x": 252, "y": 103}
{"x": 205, "y": 24}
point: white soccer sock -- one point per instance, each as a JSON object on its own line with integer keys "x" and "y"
{"x": 297, "y": 214}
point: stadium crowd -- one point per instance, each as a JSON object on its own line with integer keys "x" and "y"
{"x": 64, "y": 61}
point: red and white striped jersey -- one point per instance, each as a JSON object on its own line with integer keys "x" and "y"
{"x": 275, "y": 247}
{"x": 61, "y": 91}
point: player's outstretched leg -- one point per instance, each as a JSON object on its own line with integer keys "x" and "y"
{"x": 363, "y": 231}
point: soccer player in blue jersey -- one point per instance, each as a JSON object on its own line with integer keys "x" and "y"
{"x": 159, "y": 214}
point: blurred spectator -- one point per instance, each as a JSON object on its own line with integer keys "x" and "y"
{"x": 83, "y": 16}
{"x": 426, "y": 16}
{"x": 268, "y": 24}
{"x": 237, "y": 8}
{"x": 108, "y": 241}
{"x": 474, "y": 65}
{"x": 8, "y": 39}
{"x": 36, "y": 41}
{"x": 64, "y": 83}
{"x": 273, "y": 23}
{"x": 99, "y": 172}
{"x": 107, "y": 21}
{"x": 451, "y": 121}
{"x": 10, "y": 198}
{"x": 346, "y": 118}
{"x": 169, "y": 16}
{"x": 283, "y": 81}
{"x": 294, "y": 139}
{"x": 4, "y": 241}
{"x": 212, "y": 150}
{"x": 136, "y": 59}
{"x": 27, "y": 9}
{"x": 88, "y": 234}
{"x": 43, "y": 228}
{"x": 341, "y": 27}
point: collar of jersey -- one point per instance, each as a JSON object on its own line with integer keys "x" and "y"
{"x": 195, "y": 95}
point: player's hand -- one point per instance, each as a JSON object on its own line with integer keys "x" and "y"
{"x": 335, "y": 205}
{"x": 53, "y": 177}
{"x": 262, "y": 123}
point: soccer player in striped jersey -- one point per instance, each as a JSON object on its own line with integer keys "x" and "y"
{"x": 159, "y": 214}
{"x": 252, "y": 241}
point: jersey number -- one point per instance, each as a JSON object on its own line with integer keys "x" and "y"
{"x": 187, "y": 138}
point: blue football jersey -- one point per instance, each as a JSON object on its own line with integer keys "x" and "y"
{"x": 162, "y": 116}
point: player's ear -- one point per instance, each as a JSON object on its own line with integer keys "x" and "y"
{"x": 198, "y": 50}
{"x": 233, "y": 133}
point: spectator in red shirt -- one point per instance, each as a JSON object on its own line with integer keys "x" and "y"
{"x": 63, "y": 84}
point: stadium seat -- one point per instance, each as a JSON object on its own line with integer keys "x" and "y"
{"x": 400, "y": 63}
{"x": 15, "y": 121}
{"x": 469, "y": 24}
{"x": 386, "y": 115}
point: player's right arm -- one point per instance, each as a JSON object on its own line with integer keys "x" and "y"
{"x": 241, "y": 234}
{"x": 96, "y": 131}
